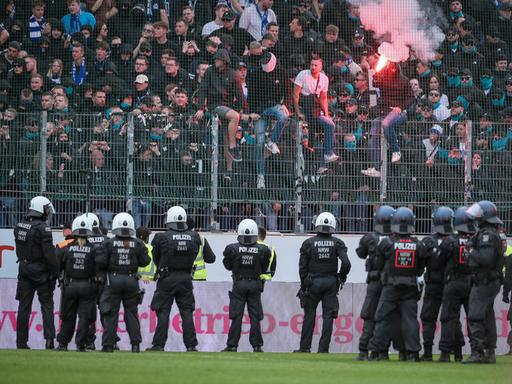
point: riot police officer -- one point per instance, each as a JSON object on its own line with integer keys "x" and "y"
{"x": 439, "y": 248}
{"x": 96, "y": 239}
{"x": 485, "y": 258}
{"x": 77, "y": 285}
{"x": 320, "y": 280}
{"x": 456, "y": 289}
{"x": 120, "y": 257}
{"x": 38, "y": 269}
{"x": 174, "y": 252}
{"x": 247, "y": 260}
{"x": 367, "y": 249}
{"x": 403, "y": 258}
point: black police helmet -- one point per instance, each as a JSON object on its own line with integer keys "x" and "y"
{"x": 402, "y": 222}
{"x": 382, "y": 220}
{"x": 442, "y": 220}
{"x": 463, "y": 222}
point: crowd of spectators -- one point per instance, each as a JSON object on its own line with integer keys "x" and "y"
{"x": 261, "y": 67}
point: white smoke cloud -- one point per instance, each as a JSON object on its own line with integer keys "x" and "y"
{"x": 403, "y": 24}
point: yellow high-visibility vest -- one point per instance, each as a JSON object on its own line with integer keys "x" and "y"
{"x": 267, "y": 275}
{"x": 147, "y": 273}
{"x": 199, "y": 265}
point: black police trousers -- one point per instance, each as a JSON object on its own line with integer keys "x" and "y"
{"x": 32, "y": 279}
{"x": 430, "y": 311}
{"x": 122, "y": 288}
{"x": 403, "y": 299}
{"x": 245, "y": 291}
{"x": 481, "y": 320}
{"x": 78, "y": 298}
{"x": 175, "y": 286}
{"x": 455, "y": 296}
{"x": 324, "y": 289}
{"x": 91, "y": 338}
{"x": 373, "y": 291}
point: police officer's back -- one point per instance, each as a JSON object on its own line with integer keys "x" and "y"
{"x": 485, "y": 258}
{"x": 403, "y": 257}
{"x": 77, "y": 285}
{"x": 320, "y": 279}
{"x": 174, "y": 253}
{"x": 120, "y": 257}
{"x": 247, "y": 260}
{"x": 38, "y": 269}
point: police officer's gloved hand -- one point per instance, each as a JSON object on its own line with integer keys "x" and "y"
{"x": 506, "y": 298}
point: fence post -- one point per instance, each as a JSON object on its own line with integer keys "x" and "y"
{"x": 383, "y": 165}
{"x": 299, "y": 179}
{"x": 129, "y": 164}
{"x": 468, "y": 182}
{"x": 42, "y": 149}
{"x": 214, "y": 224}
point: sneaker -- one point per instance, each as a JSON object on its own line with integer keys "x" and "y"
{"x": 260, "y": 183}
{"x": 228, "y": 176}
{"x": 273, "y": 148}
{"x": 155, "y": 348}
{"x": 236, "y": 154}
{"x": 229, "y": 349}
{"x": 331, "y": 158}
{"x": 322, "y": 170}
{"x": 395, "y": 157}
{"x": 372, "y": 172}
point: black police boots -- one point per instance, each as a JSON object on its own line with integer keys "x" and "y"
{"x": 81, "y": 348}
{"x": 155, "y": 348}
{"x": 22, "y": 346}
{"x": 362, "y": 356}
{"x": 509, "y": 351}
{"x": 257, "y": 349}
{"x": 402, "y": 356}
{"x": 90, "y": 347}
{"x": 302, "y": 350}
{"x": 445, "y": 357}
{"x": 477, "y": 357}
{"x": 457, "y": 354}
{"x": 414, "y": 356}
{"x": 379, "y": 356}
{"x": 427, "y": 353}
{"x": 229, "y": 349}
{"x": 107, "y": 348}
{"x": 62, "y": 347}
{"x": 49, "y": 344}
{"x": 135, "y": 348}
{"x": 192, "y": 349}
{"x": 490, "y": 356}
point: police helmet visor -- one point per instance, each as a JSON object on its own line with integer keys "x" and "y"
{"x": 124, "y": 232}
{"x": 178, "y": 225}
{"x": 247, "y": 239}
{"x": 475, "y": 211}
{"x": 324, "y": 229}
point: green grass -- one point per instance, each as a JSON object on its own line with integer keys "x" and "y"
{"x": 43, "y": 367}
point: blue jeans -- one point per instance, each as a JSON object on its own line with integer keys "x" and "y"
{"x": 105, "y": 217}
{"x": 275, "y": 112}
{"x": 142, "y": 210}
{"x": 8, "y": 211}
{"x": 389, "y": 125}
{"x": 328, "y": 125}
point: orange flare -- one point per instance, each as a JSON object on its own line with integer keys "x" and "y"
{"x": 381, "y": 63}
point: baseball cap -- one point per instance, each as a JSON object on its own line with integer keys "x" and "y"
{"x": 141, "y": 79}
{"x": 228, "y": 16}
{"x": 437, "y": 129}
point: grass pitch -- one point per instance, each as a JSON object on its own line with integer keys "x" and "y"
{"x": 44, "y": 367}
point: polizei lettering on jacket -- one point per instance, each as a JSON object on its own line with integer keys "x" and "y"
{"x": 405, "y": 254}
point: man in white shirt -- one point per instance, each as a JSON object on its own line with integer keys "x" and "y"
{"x": 256, "y": 17}
{"x": 310, "y": 103}
{"x": 212, "y": 26}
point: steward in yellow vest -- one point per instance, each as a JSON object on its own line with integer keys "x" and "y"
{"x": 146, "y": 273}
{"x": 204, "y": 255}
{"x": 271, "y": 269}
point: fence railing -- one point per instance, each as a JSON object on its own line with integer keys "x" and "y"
{"x": 146, "y": 163}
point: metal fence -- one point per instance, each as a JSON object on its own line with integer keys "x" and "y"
{"x": 146, "y": 163}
